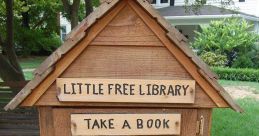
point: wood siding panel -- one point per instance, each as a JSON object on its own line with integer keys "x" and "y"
{"x": 46, "y": 121}
{"x": 126, "y": 62}
{"x": 207, "y": 114}
{"x": 127, "y": 29}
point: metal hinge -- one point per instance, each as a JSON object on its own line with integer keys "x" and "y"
{"x": 200, "y": 126}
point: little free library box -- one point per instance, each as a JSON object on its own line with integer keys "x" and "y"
{"x": 124, "y": 70}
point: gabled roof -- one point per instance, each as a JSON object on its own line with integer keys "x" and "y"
{"x": 81, "y": 31}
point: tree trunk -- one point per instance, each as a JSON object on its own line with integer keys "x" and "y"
{"x": 10, "y": 63}
{"x": 8, "y": 72}
{"x": 72, "y": 11}
{"x": 74, "y": 18}
{"x": 25, "y": 16}
{"x": 58, "y": 24}
{"x": 88, "y": 7}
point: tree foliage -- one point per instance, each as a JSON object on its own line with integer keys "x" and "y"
{"x": 36, "y": 25}
{"x": 231, "y": 37}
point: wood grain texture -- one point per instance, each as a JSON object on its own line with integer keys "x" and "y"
{"x": 71, "y": 56}
{"x": 125, "y": 90}
{"x": 125, "y": 124}
{"x": 126, "y": 62}
{"x": 46, "y": 121}
{"x": 180, "y": 56}
{"x": 46, "y": 67}
{"x": 207, "y": 114}
{"x": 127, "y": 29}
{"x": 63, "y": 125}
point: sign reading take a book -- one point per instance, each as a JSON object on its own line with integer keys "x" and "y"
{"x": 126, "y": 90}
{"x": 125, "y": 124}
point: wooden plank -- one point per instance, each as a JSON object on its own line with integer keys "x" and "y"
{"x": 71, "y": 56}
{"x": 19, "y": 132}
{"x": 126, "y": 62}
{"x": 46, "y": 121}
{"x": 62, "y": 119}
{"x": 14, "y": 84}
{"x": 125, "y": 124}
{"x": 180, "y": 56}
{"x": 125, "y": 90}
{"x": 5, "y": 94}
{"x": 207, "y": 115}
{"x": 127, "y": 29}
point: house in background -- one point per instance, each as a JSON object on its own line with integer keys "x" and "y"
{"x": 65, "y": 27}
{"x": 188, "y": 21}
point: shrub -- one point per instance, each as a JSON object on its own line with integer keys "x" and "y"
{"x": 237, "y": 74}
{"x": 244, "y": 61}
{"x": 231, "y": 37}
{"x": 214, "y": 59}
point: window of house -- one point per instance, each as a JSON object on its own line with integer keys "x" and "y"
{"x": 63, "y": 32}
{"x": 164, "y": 1}
{"x": 153, "y": 2}
{"x": 241, "y": 0}
{"x": 202, "y": 1}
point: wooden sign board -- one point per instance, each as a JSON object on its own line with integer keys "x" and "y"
{"x": 125, "y": 124}
{"x": 125, "y": 90}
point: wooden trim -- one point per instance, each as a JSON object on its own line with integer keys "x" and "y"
{"x": 179, "y": 55}
{"x": 207, "y": 115}
{"x": 46, "y": 121}
{"x": 71, "y": 56}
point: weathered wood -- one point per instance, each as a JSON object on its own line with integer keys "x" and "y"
{"x": 213, "y": 82}
{"x": 22, "y": 122}
{"x": 20, "y": 132}
{"x": 125, "y": 124}
{"x": 46, "y": 121}
{"x": 62, "y": 117}
{"x": 72, "y": 55}
{"x": 180, "y": 56}
{"x": 125, "y": 90}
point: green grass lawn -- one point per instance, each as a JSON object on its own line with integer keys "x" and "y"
{"x": 31, "y": 62}
{"x": 28, "y": 75}
{"x": 226, "y": 122}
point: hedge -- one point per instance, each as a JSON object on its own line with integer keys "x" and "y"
{"x": 237, "y": 74}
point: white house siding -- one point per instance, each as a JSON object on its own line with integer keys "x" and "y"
{"x": 65, "y": 27}
{"x": 248, "y": 6}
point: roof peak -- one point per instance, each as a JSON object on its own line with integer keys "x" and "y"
{"x": 169, "y": 36}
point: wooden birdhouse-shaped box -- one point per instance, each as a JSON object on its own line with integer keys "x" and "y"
{"x": 124, "y": 71}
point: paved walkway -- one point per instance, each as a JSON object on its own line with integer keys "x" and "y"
{"x": 240, "y": 92}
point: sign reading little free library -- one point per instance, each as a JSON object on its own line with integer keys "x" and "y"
{"x": 125, "y": 124}
{"x": 125, "y": 90}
